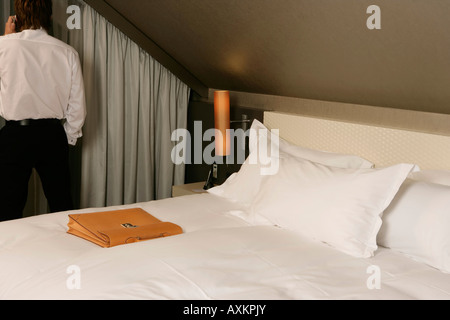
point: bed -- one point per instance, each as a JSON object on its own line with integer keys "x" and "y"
{"x": 280, "y": 236}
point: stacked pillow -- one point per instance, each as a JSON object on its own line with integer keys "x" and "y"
{"x": 341, "y": 207}
{"x": 344, "y": 201}
{"x": 417, "y": 223}
{"x": 242, "y": 187}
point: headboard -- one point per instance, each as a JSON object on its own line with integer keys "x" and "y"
{"x": 382, "y": 146}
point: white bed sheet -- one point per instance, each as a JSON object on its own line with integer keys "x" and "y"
{"x": 219, "y": 257}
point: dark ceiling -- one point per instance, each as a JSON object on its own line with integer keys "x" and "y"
{"x": 316, "y": 49}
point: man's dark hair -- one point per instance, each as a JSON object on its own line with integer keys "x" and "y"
{"x": 33, "y": 14}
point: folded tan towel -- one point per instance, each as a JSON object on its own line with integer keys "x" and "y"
{"x": 114, "y": 228}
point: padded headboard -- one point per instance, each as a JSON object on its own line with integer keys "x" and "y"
{"x": 382, "y": 146}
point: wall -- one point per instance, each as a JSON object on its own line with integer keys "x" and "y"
{"x": 201, "y": 109}
{"x": 310, "y": 49}
{"x": 428, "y": 122}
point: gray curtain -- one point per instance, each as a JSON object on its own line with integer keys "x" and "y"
{"x": 134, "y": 104}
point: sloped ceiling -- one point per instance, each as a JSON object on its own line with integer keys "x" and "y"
{"x": 315, "y": 49}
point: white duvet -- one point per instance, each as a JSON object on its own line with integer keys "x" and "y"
{"x": 218, "y": 257}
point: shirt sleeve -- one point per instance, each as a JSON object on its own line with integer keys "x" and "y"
{"x": 76, "y": 109}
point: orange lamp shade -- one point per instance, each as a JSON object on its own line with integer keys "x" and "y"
{"x": 222, "y": 122}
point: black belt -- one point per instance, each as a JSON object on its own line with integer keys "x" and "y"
{"x": 33, "y": 122}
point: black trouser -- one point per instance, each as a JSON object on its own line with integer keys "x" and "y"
{"x": 25, "y": 145}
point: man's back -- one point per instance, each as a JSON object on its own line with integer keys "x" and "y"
{"x": 41, "y": 78}
{"x": 35, "y": 81}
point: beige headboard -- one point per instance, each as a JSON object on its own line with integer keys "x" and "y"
{"x": 382, "y": 146}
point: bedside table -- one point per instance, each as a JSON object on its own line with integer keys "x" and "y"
{"x": 188, "y": 189}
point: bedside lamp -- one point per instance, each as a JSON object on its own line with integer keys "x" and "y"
{"x": 222, "y": 122}
{"x": 223, "y": 143}
{"x": 222, "y": 138}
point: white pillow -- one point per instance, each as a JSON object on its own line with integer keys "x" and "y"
{"x": 341, "y": 207}
{"x": 242, "y": 187}
{"x": 417, "y": 223}
{"x": 433, "y": 176}
{"x": 260, "y": 133}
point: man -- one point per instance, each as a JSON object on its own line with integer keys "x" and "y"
{"x": 42, "y": 100}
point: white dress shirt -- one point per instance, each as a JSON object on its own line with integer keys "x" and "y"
{"x": 41, "y": 78}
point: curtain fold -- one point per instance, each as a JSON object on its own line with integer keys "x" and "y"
{"x": 134, "y": 105}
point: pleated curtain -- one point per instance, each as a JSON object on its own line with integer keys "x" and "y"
{"x": 134, "y": 105}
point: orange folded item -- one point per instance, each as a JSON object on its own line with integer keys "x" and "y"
{"x": 114, "y": 228}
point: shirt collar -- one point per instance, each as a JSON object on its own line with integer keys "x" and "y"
{"x": 40, "y": 29}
